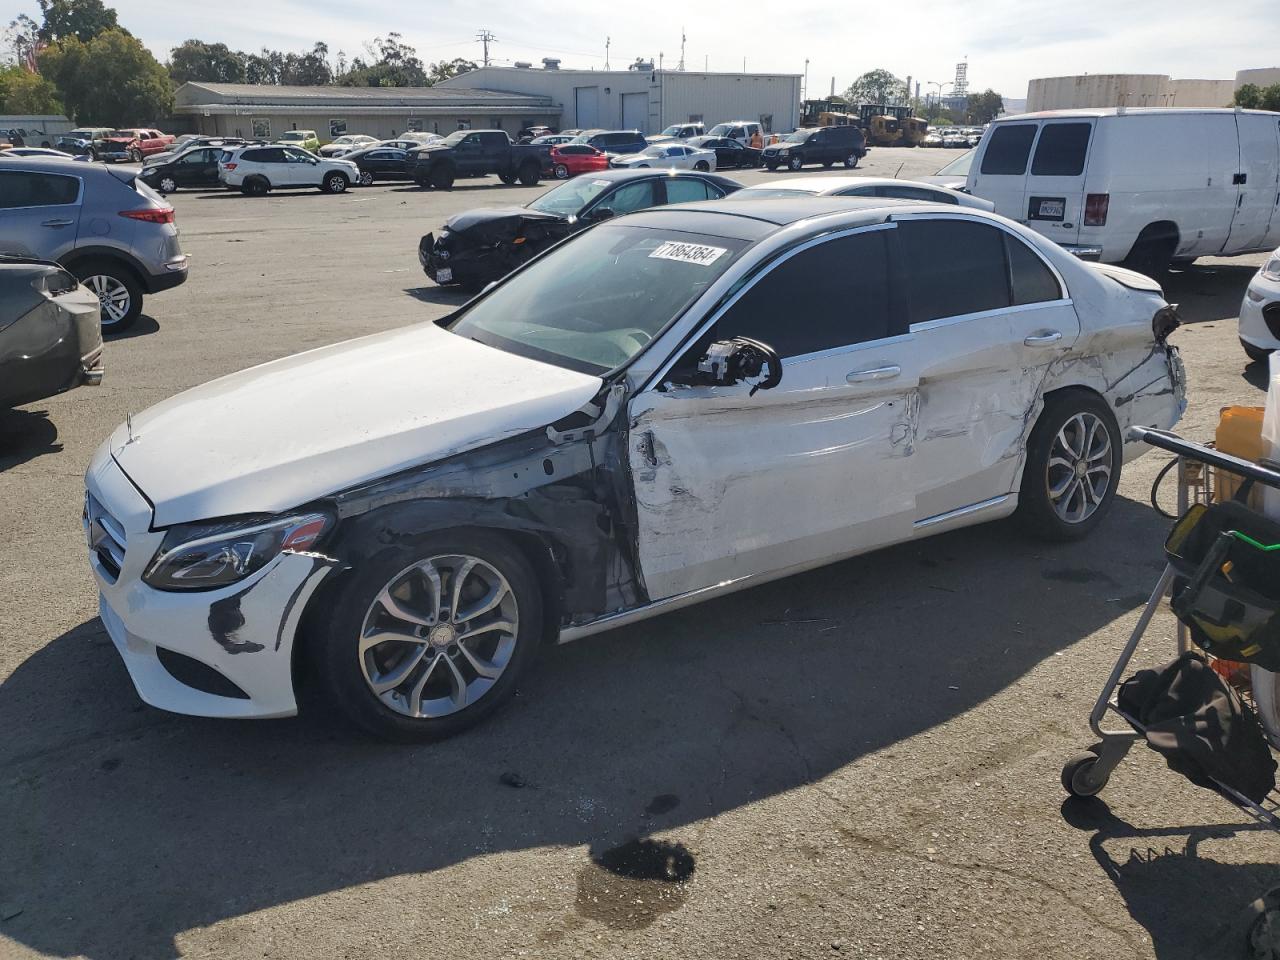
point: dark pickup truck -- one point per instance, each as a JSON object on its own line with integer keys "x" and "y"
{"x": 474, "y": 153}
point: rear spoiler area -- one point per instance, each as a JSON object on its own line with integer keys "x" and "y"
{"x": 1127, "y": 278}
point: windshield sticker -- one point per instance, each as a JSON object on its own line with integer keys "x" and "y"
{"x": 689, "y": 253}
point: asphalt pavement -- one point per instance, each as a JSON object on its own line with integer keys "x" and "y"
{"x": 859, "y": 761}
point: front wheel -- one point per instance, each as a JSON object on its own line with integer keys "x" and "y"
{"x": 795, "y": 163}
{"x": 431, "y": 636}
{"x": 771, "y": 167}
{"x": 366, "y": 178}
{"x": 168, "y": 185}
{"x": 334, "y": 183}
{"x": 135, "y": 156}
{"x": 1072, "y": 469}
{"x": 702, "y": 166}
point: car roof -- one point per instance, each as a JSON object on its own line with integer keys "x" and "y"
{"x": 756, "y": 219}
{"x": 826, "y": 185}
{"x": 1125, "y": 111}
{"x": 623, "y": 173}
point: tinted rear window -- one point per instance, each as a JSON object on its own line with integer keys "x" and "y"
{"x": 1061, "y": 150}
{"x": 1008, "y": 149}
{"x": 954, "y": 267}
{"x": 1032, "y": 281}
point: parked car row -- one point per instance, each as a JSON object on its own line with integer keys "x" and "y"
{"x": 958, "y": 138}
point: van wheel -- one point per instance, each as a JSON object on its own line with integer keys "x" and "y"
{"x": 851, "y": 161}
{"x": 117, "y": 289}
{"x": 255, "y": 187}
{"x": 1072, "y": 469}
{"x": 430, "y": 636}
{"x": 795, "y": 163}
{"x": 1152, "y": 253}
{"x": 529, "y": 175}
{"x": 442, "y": 177}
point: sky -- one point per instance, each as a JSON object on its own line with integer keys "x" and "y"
{"x": 1006, "y": 42}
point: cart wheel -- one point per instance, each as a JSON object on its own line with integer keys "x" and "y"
{"x": 1264, "y": 936}
{"x": 1077, "y": 776}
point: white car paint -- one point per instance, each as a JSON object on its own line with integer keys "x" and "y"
{"x": 862, "y": 187}
{"x": 724, "y": 483}
{"x": 1262, "y": 298}
{"x": 345, "y": 144}
{"x": 667, "y": 156}
{"x": 1214, "y": 175}
{"x": 288, "y": 431}
{"x": 302, "y": 169}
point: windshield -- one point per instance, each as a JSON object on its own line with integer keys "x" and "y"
{"x": 454, "y": 139}
{"x": 654, "y": 151}
{"x": 292, "y": 135}
{"x": 800, "y": 136}
{"x": 673, "y": 131}
{"x": 720, "y": 130}
{"x": 594, "y": 303}
{"x": 570, "y": 197}
{"x": 959, "y": 167}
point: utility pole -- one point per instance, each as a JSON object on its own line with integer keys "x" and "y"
{"x": 486, "y": 37}
{"x": 680, "y": 66}
{"x": 805, "y": 92}
{"x": 607, "y": 41}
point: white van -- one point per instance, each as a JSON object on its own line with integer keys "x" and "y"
{"x": 1146, "y": 187}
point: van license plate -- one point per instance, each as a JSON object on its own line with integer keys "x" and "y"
{"x": 444, "y": 275}
{"x": 1046, "y": 208}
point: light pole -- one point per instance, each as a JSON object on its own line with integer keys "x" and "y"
{"x": 805, "y": 92}
{"x": 938, "y": 101}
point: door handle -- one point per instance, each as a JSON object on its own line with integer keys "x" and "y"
{"x": 1043, "y": 339}
{"x": 57, "y": 223}
{"x": 874, "y": 373}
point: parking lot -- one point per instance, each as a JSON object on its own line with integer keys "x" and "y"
{"x": 861, "y": 761}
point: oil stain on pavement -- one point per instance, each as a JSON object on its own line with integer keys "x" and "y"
{"x": 629, "y": 886}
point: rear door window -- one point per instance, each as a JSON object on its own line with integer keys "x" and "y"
{"x": 831, "y": 295}
{"x": 20, "y": 188}
{"x": 953, "y": 268}
{"x": 1061, "y": 150}
{"x": 689, "y": 190}
{"x": 631, "y": 197}
{"x": 1030, "y": 279}
{"x": 1008, "y": 150}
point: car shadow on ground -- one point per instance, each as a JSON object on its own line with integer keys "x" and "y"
{"x": 450, "y": 296}
{"x": 125, "y": 826}
{"x": 1193, "y": 906}
{"x": 1208, "y": 292}
{"x": 144, "y": 326}
{"x": 25, "y": 435}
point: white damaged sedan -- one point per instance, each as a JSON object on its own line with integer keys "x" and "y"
{"x": 669, "y": 156}
{"x": 670, "y": 406}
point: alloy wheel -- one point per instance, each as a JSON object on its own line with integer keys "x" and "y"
{"x": 366, "y": 179}
{"x": 113, "y": 296}
{"x": 1079, "y": 468}
{"x": 438, "y": 636}
{"x": 168, "y": 185}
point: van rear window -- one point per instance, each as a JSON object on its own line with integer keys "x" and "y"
{"x": 1061, "y": 150}
{"x": 1008, "y": 149}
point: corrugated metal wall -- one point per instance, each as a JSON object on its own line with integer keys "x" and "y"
{"x": 720, "y": 97}
{"x": 1125, "y": 90}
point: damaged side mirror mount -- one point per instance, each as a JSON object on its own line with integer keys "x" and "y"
{"x": 600, "y": 213}
{"x": 727, "y": 362}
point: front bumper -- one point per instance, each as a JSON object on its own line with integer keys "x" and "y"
{"x": 1260, "y": 314}
{"x": 218, "y": 653}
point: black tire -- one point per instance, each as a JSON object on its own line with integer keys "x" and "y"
{"x": 92, "y": 154}
{"x": 560, "y": 171}
{"x": 135, "y": 156}
{"x": 442, "y": 177}
{"x": 334, "y": 183}
{"x": 366, "y": 178}
{"x": 1077, "y": 777}
{"x": 334, "y": 652}
{"x": 1255, "y": 354}
{"x": 795, "y": 163}
{"x": 827, "y": 164}
{"x": 86, "y": 270}
{"x": 771, "y": 167}
{"x": 529, "y": 175}
{"x": 422, "y": 182}
{"x": 1151, "y": 255}
{"x": 510, "y": 179}
{"x": 702, "y": 166}
{"x": 1036, "y": 510}
{"x": 851, "y": 161}
{"x": 255, "y": 187}
{"x": 167, "y": 185}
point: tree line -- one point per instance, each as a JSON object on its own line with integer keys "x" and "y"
{"x": 882, "y": 86}
{"x": 1253, "y": 97}
{"x": 76, "y": 58}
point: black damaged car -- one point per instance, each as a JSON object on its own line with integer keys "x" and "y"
{"x": 50, "y": 333}
{"x": 483, "y": 245}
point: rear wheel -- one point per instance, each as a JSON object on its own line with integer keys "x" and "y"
{"x": 507, "y": 178}
{"x": 827, "y": 164}
{"x": 529, "y": 175}
{"x": 429, "y": 637}
{"x": 851, "y": 161}
{"x": 1073, "y": 467}
{"x": 1079, "y": 777}
{"x": 1152, "y": 253}
{"x": 560, "y": 171}
{"x": 255, "y": 187}
{"x": 442, "y": 177}
{"x": 117, "y": 289}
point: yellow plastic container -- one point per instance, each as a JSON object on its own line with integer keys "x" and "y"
{"x": 1239, "y": 434}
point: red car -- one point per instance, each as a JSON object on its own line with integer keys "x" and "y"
{"x": 570, "y": 159}
{"x": 134, "y": 144}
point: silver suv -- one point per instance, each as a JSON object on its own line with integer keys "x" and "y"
{"x": 111, "y": 230}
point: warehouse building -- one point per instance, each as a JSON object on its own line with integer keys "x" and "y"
{"x": 247, "y": 110}
{"x": 646, "y": 99}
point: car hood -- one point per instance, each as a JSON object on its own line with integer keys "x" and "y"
{"x": 276, "y": 436}
{"x": 487, "y": 219}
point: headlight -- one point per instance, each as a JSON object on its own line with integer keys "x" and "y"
{"x": 206, "y": 556}
{"x": 783, "y": 153}
{"x": 1271, "y": 269}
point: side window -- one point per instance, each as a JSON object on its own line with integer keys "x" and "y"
{"x": 832, "y": 295}
{"x": 296, "y": 156}
{"x": 633, "y": 196}
{"x": 23, "y": 189}
{"x": 1008, "y": 149}
{"x": 917, "y": 193}
{"x": 687, "y": 190}
{"x": 954, "y": 267}
{"x": 1061, "y": 150}
{"x": 1029, "y": 278}
{"x": 861, "y": 192}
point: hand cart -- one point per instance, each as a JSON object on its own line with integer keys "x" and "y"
{"x": 1086, "y": 774}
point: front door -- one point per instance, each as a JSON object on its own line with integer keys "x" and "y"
{"x": 987, "y": 317}
{"x": 300, "y": 169}
{"x": 469, "y": 154}
{"x": 199, "y": 168}
{"x": 40, "y": 213}
{"x": 731, "y": 484}
{"x": 1254, "y": 225}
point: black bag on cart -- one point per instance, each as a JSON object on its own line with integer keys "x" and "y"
{"x": 1228, "y": 591}
{"x": 1200, "y": 726}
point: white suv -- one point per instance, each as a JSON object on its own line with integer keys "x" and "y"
{"x": 256, "y": 169}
